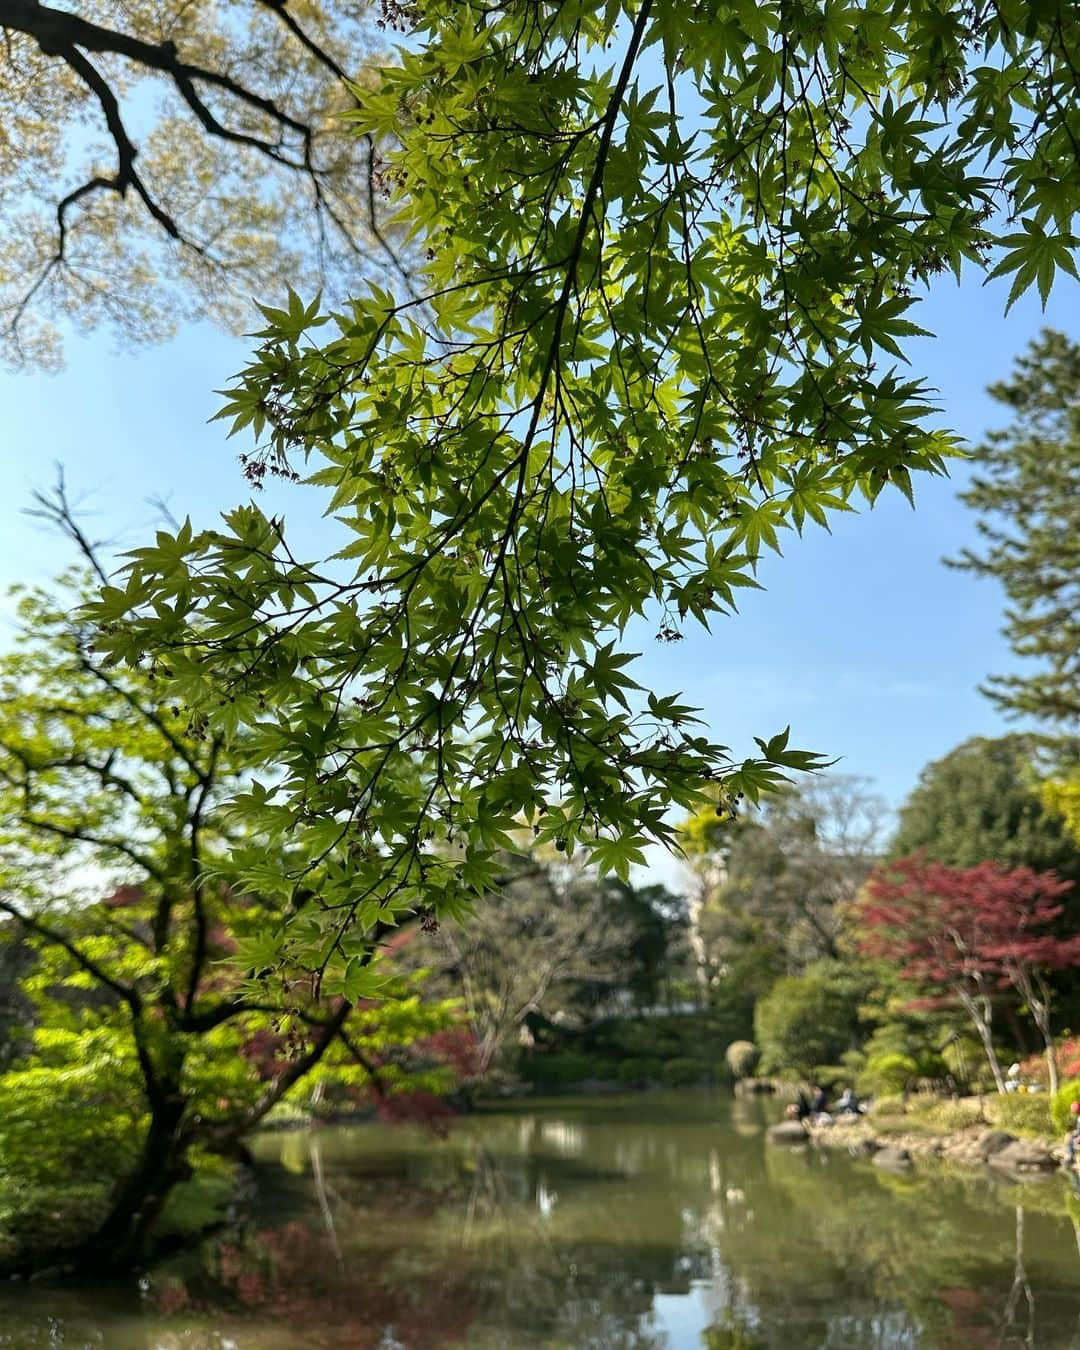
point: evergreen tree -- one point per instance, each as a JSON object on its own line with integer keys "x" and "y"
{"x": 1026, "y": 495}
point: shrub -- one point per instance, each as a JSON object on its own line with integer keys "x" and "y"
{"x": 1029, "y": 1112}
{"x": 1059, "y": 1108}
{"x": 683, "y": 1072}
{"x": 1034, "y": 1068}
{"x": 831, "y": 1076}
{"x": 808, "y": 1019}
{"x": 965, "y": 1059}
{"x": 39, "y": 1219}
{"x": 888, "y": 1074}
{"x": 563, "y": 1068}
{"x": 740, "y": 1057}
{"x": 632, "y": 1070}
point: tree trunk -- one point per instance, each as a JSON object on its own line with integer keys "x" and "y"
{"x": 1041, "y": 1016}
{"x": 1037, "y": 997}
{"x": 982, "y": 1026}
{"x": 121, "y": 1238}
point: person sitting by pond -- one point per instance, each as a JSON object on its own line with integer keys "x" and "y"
{"x": 1072, "y": 1139}
{"x": 819, "y": 1106}
{"x": 849, "y": 1104}
{"x": 799, "y": 1109}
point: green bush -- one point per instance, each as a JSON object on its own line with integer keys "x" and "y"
{"x": 808, "y": 1019}
{"x": 563, "y": 1068}
{"x": 40, "y": 1219}
{"x": 1025, "y": 1111}
{"x": 632, "y": 1070}
{"x": 683, "y": 1072}
{"x": 888, "y": 1074}
{"x": 965, "y": 1059}
{"x": 832, "y": 1077}
{"x": 1060, "y": 1114}
{"x": 740, "y": 1057}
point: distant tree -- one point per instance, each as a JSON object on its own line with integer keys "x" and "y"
{"x": 164, "y": 160}
{"x": 547, "y": 937}
{"x": 1024, "y": 491}
{"x": 965, "y": 934}
{"x": 810, "y": 1020}
{"x": 982, "y": 803}
{"x": 149, "y": 1048}
{"x": 778, "y": 879}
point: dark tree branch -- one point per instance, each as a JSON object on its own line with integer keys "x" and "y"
{"x": 70, "y": 37}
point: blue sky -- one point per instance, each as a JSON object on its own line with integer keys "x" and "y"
{"x": 863, "y": 640}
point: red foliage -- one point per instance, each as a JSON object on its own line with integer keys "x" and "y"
{"x": 124, "y": 896}
{"x": 269, "y": 1051}
{"x": 1033, "y": 1068}
{"x": 415, "y": 1108}
{"x": 455, "y": 1047}
{"x": 950, "y": 926}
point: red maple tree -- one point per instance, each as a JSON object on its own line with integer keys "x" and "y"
{"x": 964, "y": 934}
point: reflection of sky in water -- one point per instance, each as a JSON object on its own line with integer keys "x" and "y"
{"x": 680, "y": 1317}
{"x": 563, "y": 1136}
{"x": 638, "y": 1223}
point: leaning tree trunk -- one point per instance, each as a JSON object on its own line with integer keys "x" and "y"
{"x": 122, "y": 1237}
{"x": 981, "y": 1015}
{"x": 1037, "y": 996}
{"x": 1040, "y": 1013}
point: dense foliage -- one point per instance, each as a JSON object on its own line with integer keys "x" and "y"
{"x": 965, "y": 934}
{"x": 672, "y": 254}
{"x": 138, "y": 1047}
{"x": 982, "y": 802}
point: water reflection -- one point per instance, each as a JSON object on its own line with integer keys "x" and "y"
{"x": 629, "y": 1224}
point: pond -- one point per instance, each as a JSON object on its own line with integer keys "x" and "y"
{"x": 635, "y": 1223}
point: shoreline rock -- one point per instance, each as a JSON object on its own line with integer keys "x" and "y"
{"x": 971, "y": 1146}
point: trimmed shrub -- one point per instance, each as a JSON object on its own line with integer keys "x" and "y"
{"x": 808, "y": 1019}
{"x": 632, "y": 1070}
{"x": 965, "y": 1059}
{"x": 564, "y": 1068}
{"x": 741, "y": 1057}
{"x": 831, "y": 1077}
{"x": 888, "y": 1074}
{"x": 683, "y": 1072}
{"x": 1059, "y": 1108}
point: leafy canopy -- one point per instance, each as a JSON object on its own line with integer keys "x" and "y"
{"x": 672, "y": 254}
{"x": 983, "y": 802}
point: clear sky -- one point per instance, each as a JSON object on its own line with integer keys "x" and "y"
{"x": 863, "y": 640}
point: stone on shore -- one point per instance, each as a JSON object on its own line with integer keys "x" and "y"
{"x": 787, "y": 1132}
{"x": 993, "y": 1141}
{"x": 897, "y": 1159}
{"x": 1023, "y": 1155}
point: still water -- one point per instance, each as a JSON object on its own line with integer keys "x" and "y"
{"x": 633, "y": 1223}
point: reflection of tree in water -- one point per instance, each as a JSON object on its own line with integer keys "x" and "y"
{"x": 835, "y": 1255}
{"x": 560, "y": 1228}
{"x": 464, "y": 1246}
